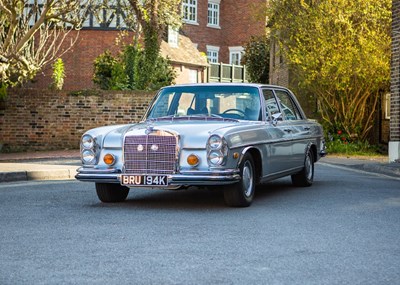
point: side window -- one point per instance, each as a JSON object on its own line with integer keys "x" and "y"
{"x": 271, "y": 105}
{"x": 289, "y": 108}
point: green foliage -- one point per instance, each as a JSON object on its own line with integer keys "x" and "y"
{"x": 130, "y": 57}
{"x": 150, "y": 61}
{"x": 338, "y": 50}
{"x": 119, "y": 78}
{"x": 256, "y": 58}
{"x": 340, "y": 142}
{"x": 138, "y": 68}
{"x": 3, "y": 90}
{"x": 103, "y": 69}
{"x": 58, "y": 74}
{"x": 153, "y": 16}
{"x": 132, "y": 70}
{"x": 163, "y": 74}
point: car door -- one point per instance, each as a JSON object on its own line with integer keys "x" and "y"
{"x": 298, "y": 125}
{"x": 279, "y": 133}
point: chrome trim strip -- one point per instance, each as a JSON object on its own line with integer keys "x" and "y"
{"x": 184, "y": 179}
{"x": 204, "y": 180}
{"x": 110, "y": 178}
{"x": 97, "y": 171}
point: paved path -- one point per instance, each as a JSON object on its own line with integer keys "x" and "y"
{"x": 43, "y": 165}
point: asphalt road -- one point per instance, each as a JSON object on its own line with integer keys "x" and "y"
{"x": 345, "y": 229}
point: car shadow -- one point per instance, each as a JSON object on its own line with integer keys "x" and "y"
{"x": 195, "y": 198}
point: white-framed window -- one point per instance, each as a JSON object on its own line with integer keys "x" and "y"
{"x": 189, "y": 11}
{"x": 387, "y": 106}
{"x": 213, "y": 13}
{"x": 235, "y": 55}
{"x": 172, "y": 37}
{"x": 212, "y": 53}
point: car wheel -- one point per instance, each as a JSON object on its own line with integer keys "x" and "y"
{"x": 111, "y": 193}
{"x": 305, "y": 177}
{"x": 241, "y": 194}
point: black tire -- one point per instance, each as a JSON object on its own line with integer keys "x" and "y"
{"x": 305, "y": 177}
{"x": 241, "y": 194}
{"x": 111, "y": 193}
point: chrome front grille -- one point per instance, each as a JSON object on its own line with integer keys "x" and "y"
{"x": 150, "y": 154}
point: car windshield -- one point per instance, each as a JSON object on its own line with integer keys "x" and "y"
{"x": 231, "y": 102}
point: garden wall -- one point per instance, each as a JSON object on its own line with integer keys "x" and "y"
{"x": 32, "y": 119}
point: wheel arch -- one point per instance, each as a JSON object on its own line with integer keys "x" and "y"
{"x": 256, "y": 155}
{"x": 313, "y": 149}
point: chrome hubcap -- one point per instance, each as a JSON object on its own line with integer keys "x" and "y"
{"x": 247, "y": 179}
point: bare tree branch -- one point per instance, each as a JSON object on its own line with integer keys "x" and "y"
{"x": 33, "y": 34}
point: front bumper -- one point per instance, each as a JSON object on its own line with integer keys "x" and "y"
{"x": 184, "y": 178}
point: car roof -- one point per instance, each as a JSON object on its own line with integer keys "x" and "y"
{"x": 258, "y": 85}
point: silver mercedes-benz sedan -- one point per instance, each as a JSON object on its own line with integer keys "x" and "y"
{"x": 223, "y": 136}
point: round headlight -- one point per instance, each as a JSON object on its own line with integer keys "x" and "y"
{"x": 87, "y": 141}
{"x": 88, "y": 156}
{"x": 216, "y": 158}
{"x": 215, "y": 142}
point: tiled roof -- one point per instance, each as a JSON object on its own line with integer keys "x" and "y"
{"x": 185, "y": 53}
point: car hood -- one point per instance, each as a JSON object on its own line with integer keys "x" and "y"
{"x": 192, "y": 134}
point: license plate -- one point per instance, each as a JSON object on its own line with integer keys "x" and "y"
{"x": 144, "y": 180}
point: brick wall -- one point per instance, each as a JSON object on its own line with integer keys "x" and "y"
{"x": 42, "y": 120}
{"x": 395, "y": 74}
{"x": 237, "y": 24}
{"x": 78, "y": 61}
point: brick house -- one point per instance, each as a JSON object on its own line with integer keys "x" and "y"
{"x": 220, "y": 28}
{"x": 216, "y": 28}
{"x": 394, "y": 142}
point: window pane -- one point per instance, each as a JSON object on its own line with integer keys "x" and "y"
{"x": 289, "y": 109}
{"x": 235, "y": 58}
{"x": 213, "y": 14}
{"x": 189, "y": 10}
{"x": 212, "y": 56}
{"x": 271, "y": 105}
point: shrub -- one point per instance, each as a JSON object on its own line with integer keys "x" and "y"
{"x": 339, "y": 142}
{"x": 119, "y": 78}
{"x": 58, "y": 74}
{"x": 103, "y": 67}
{"x": 256, "y": 58}
{"x": 130, "y": 70}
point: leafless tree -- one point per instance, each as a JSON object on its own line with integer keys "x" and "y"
{"x": 34, "y": 33}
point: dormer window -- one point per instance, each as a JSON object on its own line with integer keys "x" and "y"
{"x": 172, "y": 37}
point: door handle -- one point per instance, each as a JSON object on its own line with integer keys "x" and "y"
{"x": 307, "y": 128}
{"x": 288, "y": 130}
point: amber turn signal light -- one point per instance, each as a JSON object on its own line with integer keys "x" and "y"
{"x": 109, "y": 159}
{"x": 193, "y": 160}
